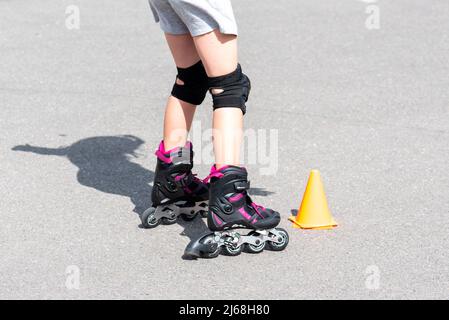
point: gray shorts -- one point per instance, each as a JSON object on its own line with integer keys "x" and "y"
{"x": 196, "y": 17}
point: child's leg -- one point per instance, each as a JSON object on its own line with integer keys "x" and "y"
{"x": 219, "y": 55}
{"x": 178, "y": 113}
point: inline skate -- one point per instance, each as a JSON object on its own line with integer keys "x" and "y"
{"x": 176, "y": 191}
{"x": 231, "y": 208}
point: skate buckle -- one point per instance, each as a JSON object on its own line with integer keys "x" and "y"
{"x": 242, "y": 185}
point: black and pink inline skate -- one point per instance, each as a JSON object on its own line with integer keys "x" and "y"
{"x": 231, "y": 208}
{"x": 176, "y": 191}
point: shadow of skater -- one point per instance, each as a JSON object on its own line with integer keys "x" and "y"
{"x": 105, "y": 164}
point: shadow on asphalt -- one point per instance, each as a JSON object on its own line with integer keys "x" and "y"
{"x": 104, "y": 163}
{"x": 260, "y": 192}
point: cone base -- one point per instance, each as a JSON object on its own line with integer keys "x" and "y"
{"x": 296, "y": 225}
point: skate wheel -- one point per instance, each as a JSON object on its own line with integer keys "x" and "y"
{"x": 203, "y": 213}
{"x": 230, "y": 250}
{"x": 281, "y": 245}
{"x": 148, "y": 218}
{"x": 250, "y": 248}
{"x": 210, "y": 255}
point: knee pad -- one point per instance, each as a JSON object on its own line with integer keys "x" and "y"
{"x": 194, "y": 87}
{"x": 234, "y": 89}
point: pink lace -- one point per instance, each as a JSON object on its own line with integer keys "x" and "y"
{"x": 214, "y": 173}
{"x": 162, "y": 154}
{"x": 194, "y": 176}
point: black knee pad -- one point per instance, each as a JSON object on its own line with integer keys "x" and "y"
{"x": 236, "y": 87}
{"x": 195, "y": 84}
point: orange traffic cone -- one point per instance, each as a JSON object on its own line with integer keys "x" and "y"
{"x": 314, "y": 212}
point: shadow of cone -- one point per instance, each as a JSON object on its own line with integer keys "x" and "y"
{"x": 314, "y": 212}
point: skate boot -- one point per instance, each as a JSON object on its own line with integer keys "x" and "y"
{"x": 231, "y": 208}
{"x": 176, "y": 191}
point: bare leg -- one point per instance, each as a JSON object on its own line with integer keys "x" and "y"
{"x": 179, "y": 114}
{"x": 219, "y": 55}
